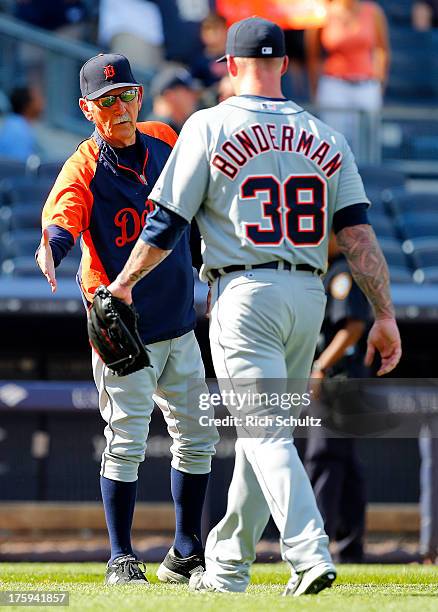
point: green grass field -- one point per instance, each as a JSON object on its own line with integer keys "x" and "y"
{"x": 367, "y": 588}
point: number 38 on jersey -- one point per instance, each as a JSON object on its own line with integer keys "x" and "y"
{"x": 294, "y": 210}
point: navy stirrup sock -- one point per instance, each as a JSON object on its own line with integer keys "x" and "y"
{"x": 119, "y": 502}
{"x": 188, "y": 492}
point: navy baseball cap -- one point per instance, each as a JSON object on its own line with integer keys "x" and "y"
{"x": 103, "y": 73}
{"x": 254, "y": 37}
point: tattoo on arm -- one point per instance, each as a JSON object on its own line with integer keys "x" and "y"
{"x": 368, "y": 266}
{"x": 143, "y": 259}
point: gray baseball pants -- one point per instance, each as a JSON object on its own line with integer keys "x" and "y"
{"x": 126, "y": 404}
{"x": 264, "y": 326}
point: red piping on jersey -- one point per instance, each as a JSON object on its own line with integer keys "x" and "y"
{"x": 141, "y": 177}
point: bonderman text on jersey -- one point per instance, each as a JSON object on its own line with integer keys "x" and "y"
{"x": 254, "y": 420}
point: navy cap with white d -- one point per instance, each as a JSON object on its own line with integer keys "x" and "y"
{"x": 254, "y": 37}
{"x": 103, "y": 73}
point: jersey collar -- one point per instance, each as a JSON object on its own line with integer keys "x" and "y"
{"x": 282, "y": 106}
{"x": 114, "y": 157}
{"x": 252, "y": 96}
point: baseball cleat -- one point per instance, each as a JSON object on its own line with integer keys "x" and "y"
{"x": 124, "y": 570}
{"x": 198, "y": 582}
{"x": 180, "y": 569}
{"x": 311, "y": 581}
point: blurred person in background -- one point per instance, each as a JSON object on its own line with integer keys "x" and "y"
{"x": 213, "y": 37}
{"x": 17, "y": 136}
{"x": 294, "y": 17}
{"x": 64, "y": 17}
{"x": 348, "y": 61}
{"x": 332, "y": 464}
{"x": 134, "y": 29}
{"x": 425, "y": 15}
{"x": 175, "y": 97}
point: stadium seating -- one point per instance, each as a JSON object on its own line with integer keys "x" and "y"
{"x": 381, "y": 185}
{"x": 426, "y": 275}
{"x": 416, "y": 139}
{"x": 405, "y": 202}
{"x": 410, "y": 51}
{"x": 400, "y": 275}
{"x": 379, "y": 178}
{"x": 423, "y": 251}
{"x": 10, "y": 168}
{"x": 383, "y": 225}
{"x": 403, "y": 221}
{"x": 394, "y": 253}
{"x": 24, "y": 189}
{"x": 15, "y": 243}
{"x": 21, "y": 216}
{"x": 418, "y": 224}
{"x": 25, "y": 265}
{"x": 49, "y": 169}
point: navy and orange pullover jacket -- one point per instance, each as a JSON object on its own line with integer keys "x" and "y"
{"x": 101, "y": 194}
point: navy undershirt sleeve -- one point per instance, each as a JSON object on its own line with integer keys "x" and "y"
{"x": 349, "y": 216}
{"x": 61, "y": 241}
{"x": 163, "y": 228}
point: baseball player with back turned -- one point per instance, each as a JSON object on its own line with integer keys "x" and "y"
{"x": 102, "y": 195}
{"x": 266, "y": 181}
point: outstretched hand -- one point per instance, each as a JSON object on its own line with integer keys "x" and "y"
{"x": 385, "y": 338}
{"x": 45, "y": 260}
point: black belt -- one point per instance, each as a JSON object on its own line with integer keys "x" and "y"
{"x": 272, "y": 265}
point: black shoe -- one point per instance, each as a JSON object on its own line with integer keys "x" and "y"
{"x": 124, "y": 570}
{"x": 177, "y": 569}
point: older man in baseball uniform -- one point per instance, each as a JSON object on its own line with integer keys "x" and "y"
{"x": 266, "y": 181}
{"x": 102, "y": 195}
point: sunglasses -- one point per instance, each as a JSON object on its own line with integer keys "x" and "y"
{"x": 126, "y": 96}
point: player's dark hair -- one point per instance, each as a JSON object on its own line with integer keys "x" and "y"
{"x": 20, "y": 98}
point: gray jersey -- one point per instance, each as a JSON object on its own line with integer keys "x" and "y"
{"x": 263, "y": 178}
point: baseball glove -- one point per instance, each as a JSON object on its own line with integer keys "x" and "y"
{"x": 113, "y": 333}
